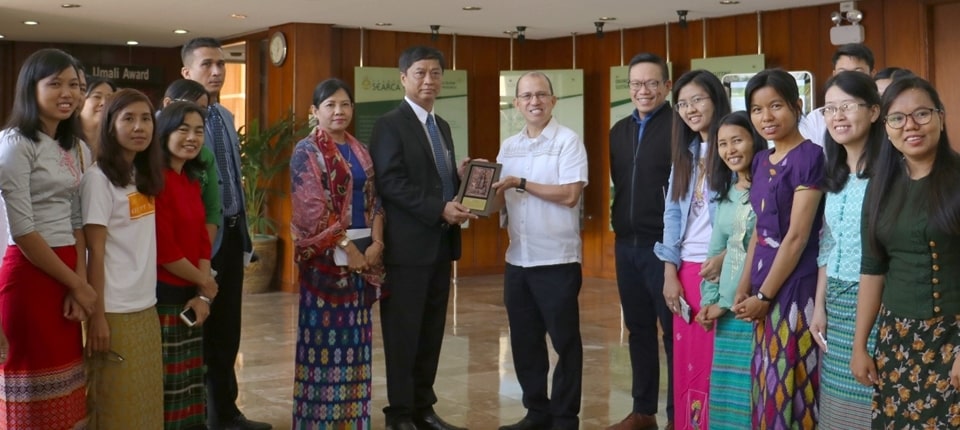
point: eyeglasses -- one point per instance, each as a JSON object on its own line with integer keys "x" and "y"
{"x": 697, "y": 101}
{"x": 651, "y": 85}
{"x": 539, "y": 95}
{"x": 920, "y": 116}
{"x": 846, "y": 108}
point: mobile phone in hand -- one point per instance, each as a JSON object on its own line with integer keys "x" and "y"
{"x": 189, "y": 317}
{"x": 685, "y": 310}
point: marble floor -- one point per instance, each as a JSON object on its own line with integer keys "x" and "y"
{"x": 476, "y": 383}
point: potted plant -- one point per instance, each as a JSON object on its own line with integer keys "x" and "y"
{"x": 264, "y": 155}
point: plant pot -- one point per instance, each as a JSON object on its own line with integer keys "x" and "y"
{"x": 258, "y": 275}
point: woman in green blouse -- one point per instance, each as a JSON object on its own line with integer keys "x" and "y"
{"x": 911, "y": 266}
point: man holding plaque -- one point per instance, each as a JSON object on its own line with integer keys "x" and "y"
{"x": 417, "y": 178}
{"x": 544, "y": 172}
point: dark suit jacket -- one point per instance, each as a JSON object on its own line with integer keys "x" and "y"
{"x": 410, "y": 188}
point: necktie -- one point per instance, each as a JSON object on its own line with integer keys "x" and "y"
{"x": 220, "y": 151}
{"x": 440, "y": 154}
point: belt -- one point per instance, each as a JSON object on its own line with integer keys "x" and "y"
{"x": 231, "y": 221}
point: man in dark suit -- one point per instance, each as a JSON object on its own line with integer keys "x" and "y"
{"x": 417, "y": 178}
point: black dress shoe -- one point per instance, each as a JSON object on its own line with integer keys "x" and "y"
{"x": 402, "y": 425}
{"x": 241, "y": 422}
{"x": 528, "y": 423}
{"x": 434, "y": 422}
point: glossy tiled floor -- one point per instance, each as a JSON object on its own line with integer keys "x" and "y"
{"x": 476, "y": 383}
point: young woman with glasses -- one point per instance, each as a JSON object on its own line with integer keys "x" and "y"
{"x": 853, "y": 138}
{"x": 687, "y": 224}
{"x": 910, "y": 274}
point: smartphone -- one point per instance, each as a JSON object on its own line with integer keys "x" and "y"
{"x": 685, "y": 310}
{"x": 189, "y": 317}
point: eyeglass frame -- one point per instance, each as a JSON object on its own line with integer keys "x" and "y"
{"x": 843, "y": 107}
{"x": 886, "y": 119}
{"x": 539, "y": 95}
{"x": 698, "y": 101}
{"x": 651, "y": 85}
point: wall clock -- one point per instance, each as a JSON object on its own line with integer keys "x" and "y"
{"x": 278, "y": 48}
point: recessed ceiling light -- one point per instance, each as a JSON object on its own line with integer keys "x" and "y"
{"x": 729, "y": 2}
{"x": 607, "y": 18}
{"x": 383, "y": 24}
{"x": 69, "y": 5}
{"x": 510, "y": 32}
{"x": 472, "y": 8}
{"x": 31, "y": 22}
{"x": 132, "y": 42}
{"x": 181, "y": 31}
{"x": 238, "y": 16}
{"x": 1, "y": 36}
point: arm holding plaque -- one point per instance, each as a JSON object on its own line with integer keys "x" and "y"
{"x": 566, "y": 194}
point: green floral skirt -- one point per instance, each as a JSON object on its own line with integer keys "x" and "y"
{"x": 913, "y": 360}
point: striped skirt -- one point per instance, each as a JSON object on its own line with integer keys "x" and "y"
{"x": 913, "y": 359}
{"x": 42, "y": 380}
{"x": 845, "y": 404}
{"x": 332, "y": 378}
{"x": 730, "y": 374}
{"x": 125, "y": 385}
{"x": 184, "y": 393}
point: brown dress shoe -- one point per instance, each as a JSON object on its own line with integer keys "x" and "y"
{"x": 636, "y": 421}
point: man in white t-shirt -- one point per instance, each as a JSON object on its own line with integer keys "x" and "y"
{"x": 543, "y": 175}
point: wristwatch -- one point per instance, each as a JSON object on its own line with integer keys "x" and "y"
{"x": 344, "y": 242}
{"x": 763, "y": 298}
{"x": 523, "y": 185}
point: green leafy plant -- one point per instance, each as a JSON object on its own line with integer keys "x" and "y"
{"x": 265, "y": 154}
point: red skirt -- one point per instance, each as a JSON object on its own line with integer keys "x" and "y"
{"x": 42, "y": 380}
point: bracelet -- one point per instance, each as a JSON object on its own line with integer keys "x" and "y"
{"x": 205, "y": 299}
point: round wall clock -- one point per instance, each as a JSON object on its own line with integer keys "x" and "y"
{"x": 278, "y": 48}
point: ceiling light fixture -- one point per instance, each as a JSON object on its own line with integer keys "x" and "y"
{"x": 1, "y": 36}
{"x": 472, "y": 8}
{"x": 132, "y": 42}
{"x": 599, "y": 27}
{"x": 31, "y": 23}
{"x": 607, "y": 18}
{"x": 521, "y": 33}
{"x": 238, "y": 16}
{"x": 69, "y": 5}
{"x": 434, "y": 32}
{"x": 383, "y": 24}
{"x": 181, "y": 31}
{"x": 729, "y": 2}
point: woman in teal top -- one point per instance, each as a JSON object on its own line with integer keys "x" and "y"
{"x": 855, "y": 133}
{"x": 911, "y": 266}
{"x": 731, "y": 157}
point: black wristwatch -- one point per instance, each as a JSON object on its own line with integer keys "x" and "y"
{"x": 523, "y": 185}
{"x": 763, "y": 298}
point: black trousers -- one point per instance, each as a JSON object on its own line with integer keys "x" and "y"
{"x": 544, "y": 300}
{"x": 221, "y": 331}
{"x": 412, "y": 319}
{"x": 640, "y": 281}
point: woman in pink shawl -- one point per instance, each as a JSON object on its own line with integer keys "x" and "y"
{"x": 338, "y": 232}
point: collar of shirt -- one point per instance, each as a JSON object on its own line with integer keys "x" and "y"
{"x": 419, "y": 111}
{"x": 643, "y": 121}
{"x": 547, "y": 134}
